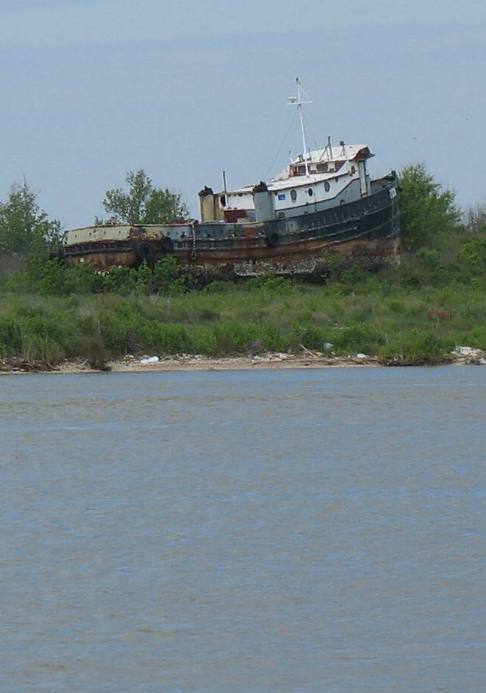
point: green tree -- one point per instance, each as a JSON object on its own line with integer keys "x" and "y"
{"x": 144, "y": 203}
{"x": 24, "y": 227}
{"x": 426, "y": 210}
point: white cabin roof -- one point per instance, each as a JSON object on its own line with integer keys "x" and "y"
{"x": 339, "y": 154}
{"x": 346, "y": 152}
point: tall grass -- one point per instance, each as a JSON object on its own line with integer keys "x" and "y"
{"x": 398, "y": 322}
{"x": 414, "y": 314}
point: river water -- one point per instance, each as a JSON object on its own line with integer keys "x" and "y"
{"x": 244, "y": 531}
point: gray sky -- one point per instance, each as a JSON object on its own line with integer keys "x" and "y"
{"x": 93, "y": 88}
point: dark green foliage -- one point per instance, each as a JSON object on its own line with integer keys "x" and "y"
{"x": 362, "y": 337}
{"x": 144, "y": 203}
{"x": 270, "y": 284}
{"x": 24, "y": 227}
{"x": 216, "y": 287}
{"x": 167, "y": 278}
{"x": 54, "y": 278}
{"x": 472, "y": 258}
{"x": 10, "y": 336}
{"x": 416, "y": 348}
{"x": 35, "y": 334}
{"x": 306, "y": 335}
{"x": 427, "y": 212}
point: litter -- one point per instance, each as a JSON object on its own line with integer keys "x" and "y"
{"x": 149, "y": 360}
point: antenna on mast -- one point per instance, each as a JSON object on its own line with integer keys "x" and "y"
{"x": 297, "y": 101}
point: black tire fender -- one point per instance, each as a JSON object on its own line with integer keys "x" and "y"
{"x": 272, "y": 239}
{"x": 145, "y": 251}
{"x": 166, "y": 244}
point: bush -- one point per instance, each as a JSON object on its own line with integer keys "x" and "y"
{"x": 426, "y": 210}
{"x": 93, "y": 349}
{"x": 276, "y": 285}
{"x": 415, "y": 349}
{"x": 10, "y": 336}
{"x": 308, "y": 336}
{"x": 363, "y": 337}
{"x": 472, "y": 258}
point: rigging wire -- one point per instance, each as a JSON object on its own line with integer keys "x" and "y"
{"x": 306, "y": 121}
{"x": 312, "y": 134}
{"x": 279, "y": 150}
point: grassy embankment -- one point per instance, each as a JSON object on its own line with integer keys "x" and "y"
{"x": 415, "y": 314}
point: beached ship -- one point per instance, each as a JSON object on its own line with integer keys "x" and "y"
{"x": 321, "y": 208}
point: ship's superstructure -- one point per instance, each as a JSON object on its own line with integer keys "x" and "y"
{"x": 336, "y": 176}
{"x": 323, "y": 203}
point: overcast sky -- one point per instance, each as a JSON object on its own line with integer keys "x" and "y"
{"x": 185, "y": 88}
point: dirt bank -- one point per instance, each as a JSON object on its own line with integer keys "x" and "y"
{"x": 191, "y": 362}
{"x": 188, "y": 362}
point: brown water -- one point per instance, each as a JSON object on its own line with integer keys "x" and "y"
{"x": 244, "y": 531}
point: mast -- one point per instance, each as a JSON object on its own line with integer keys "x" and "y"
{"x": 297, "y": 101}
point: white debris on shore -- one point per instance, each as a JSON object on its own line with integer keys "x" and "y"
{"x": 306, "y": 358}
{"x": 469, "y": 355}
{"x": 149, "y": 360}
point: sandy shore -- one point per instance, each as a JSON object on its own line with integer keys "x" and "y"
{"x": 197, "y": 363}
{"x": 188, "y": 362}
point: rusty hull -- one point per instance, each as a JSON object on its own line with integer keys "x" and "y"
{"x": 312, "y": 257}
{"x": 365, "y": 231}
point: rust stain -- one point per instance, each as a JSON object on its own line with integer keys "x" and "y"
{"x": 291, "y": 258}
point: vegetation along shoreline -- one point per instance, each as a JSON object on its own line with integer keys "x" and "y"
{"x": 430, "y": 309}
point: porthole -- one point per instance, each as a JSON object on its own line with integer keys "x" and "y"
{"x": 327, "y": 187}
{"x": 293, "y": 195}
{"x": 310, "y": 192}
